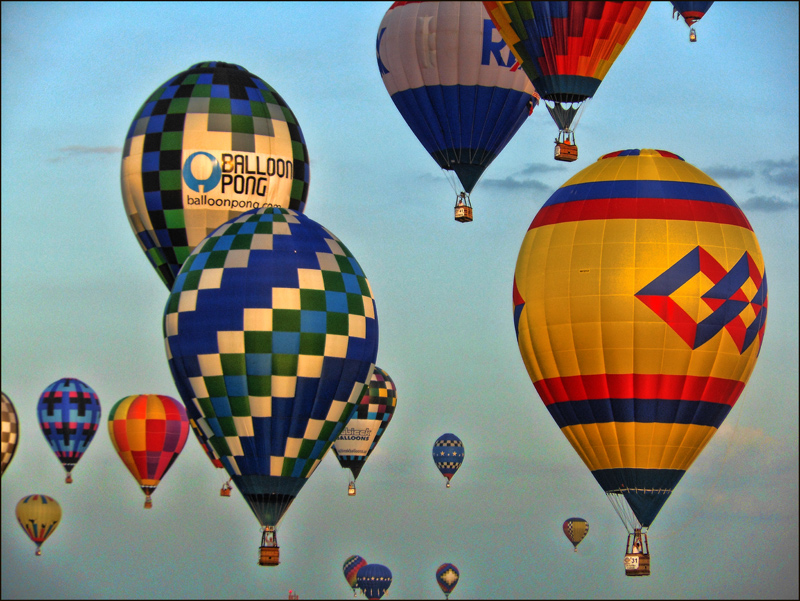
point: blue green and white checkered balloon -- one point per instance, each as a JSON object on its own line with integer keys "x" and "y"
{"x": 271, "y": 334}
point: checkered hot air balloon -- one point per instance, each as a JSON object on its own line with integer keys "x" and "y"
{"x": 575, "y": 529}
{"x": 271, "y": 334}
{"x": 10, "y": 432}
{"x": 367, "y": 424}
{"x": 640, "y": 303}
{"x": 148, "y": 431}
{"x": 209, "y": 144}
{"x": 69, "y": 413}
{"x": 448, "y": 454}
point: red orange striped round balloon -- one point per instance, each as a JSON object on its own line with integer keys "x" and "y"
{"x": 640, "y": 302}
{"x": 148, "y": 431}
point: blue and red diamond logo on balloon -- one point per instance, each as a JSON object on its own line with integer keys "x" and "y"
{"x": 734, "y": 293}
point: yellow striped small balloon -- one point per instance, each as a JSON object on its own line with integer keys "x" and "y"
{"x": 39, "y": 516}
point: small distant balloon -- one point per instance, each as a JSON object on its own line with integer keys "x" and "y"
{"x": 148, "y": 431}
{"x": 69, "y": 413}
{"x": 447, "y": 576}
{"x": 374, "y": 580}
{"x": 10, "y": 432}
{"x": 448, "y": 454}
{"x": 367, "y": 424}
{"x": 39, "y": 516}
{"x": 576, "y": 529}
{"x": 351, "y": 567}
{"x": 691, "y": 12}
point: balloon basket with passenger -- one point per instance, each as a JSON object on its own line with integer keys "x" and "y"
{"x": 269, "y": 552}
{"x": 637, "y": 554}
{"x": 463, "y": 208}
{"x": 566, "y": 149}
{"x": 225, "y": 491}
{"x": 637, "y": 549}
{"x": 351, "y": 489}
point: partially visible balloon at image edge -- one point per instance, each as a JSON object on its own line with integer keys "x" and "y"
{"x": 10, "y": 436}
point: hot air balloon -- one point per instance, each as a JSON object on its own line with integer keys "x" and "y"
{"x": 448, "y": 454}
{"x": 575, "y": 529}
{"x": 225, "y": 491}
{"x": 374, "y": 580}
{"x": 210, "y": 143}
{"x": 447, "y": 577}
{"x": 640, "y": 303}
{"x": 10, "y": 432}
{"x": 39, "y": 516}
{"x": 449, "y": 74}
{"x": 366, "y": 426}
{"x": 69, "y": 413}
{"x": 566, "y": 49}
{"x": 691, "y": 12}
{"x": 148, "y": 431}
{"x": 271, "y": 335}
{"x": 351, "y": 567}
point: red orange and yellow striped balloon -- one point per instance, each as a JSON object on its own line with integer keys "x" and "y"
{"x": 566, "y": 48}
{"x": 148, "y": 431}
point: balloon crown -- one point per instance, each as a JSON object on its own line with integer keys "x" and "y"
{"x": 635, "y": 152}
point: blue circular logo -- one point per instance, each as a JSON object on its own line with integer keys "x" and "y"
{"x": 210, "y": 182}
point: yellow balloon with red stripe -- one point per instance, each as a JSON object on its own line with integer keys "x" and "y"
{"x": 640, "y": 302}
{"x": 39, "y": 516}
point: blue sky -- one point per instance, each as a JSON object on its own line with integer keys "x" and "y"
{"x": 79, "y": 299}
